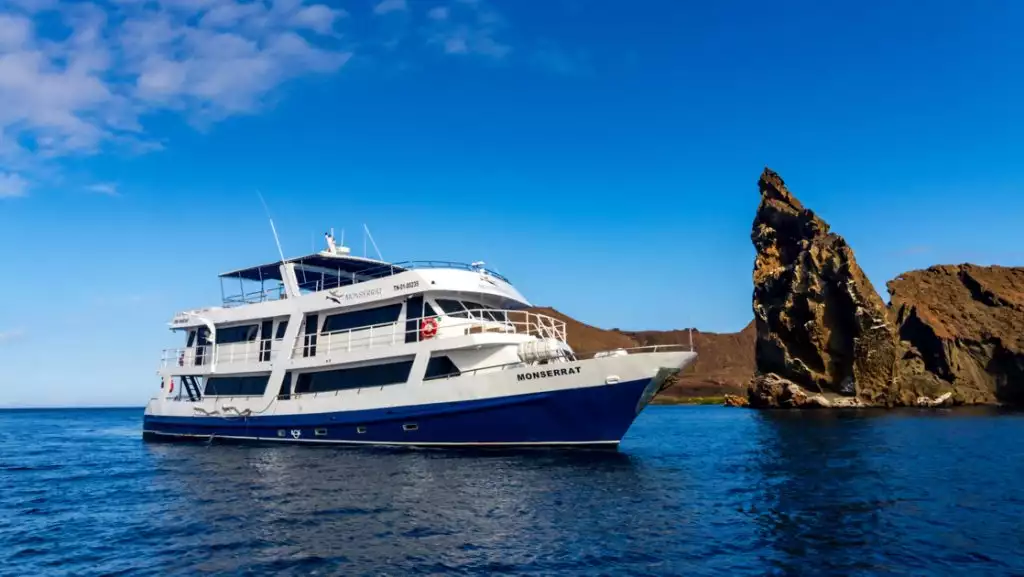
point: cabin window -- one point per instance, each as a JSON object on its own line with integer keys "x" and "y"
{"x": 354, "y": 378}
{"x": 477, "y": 311}
{"x": 285, "y": 392}
{"x": 363, "y": 318}
{"x": 309, "y": 341}
{"x": 438, "y": 367}
{"x": 410, "y": 427}
{"x": 361, "y": 430}
{"x": 451, "y": 307}
{"x": 320, "y": 432}
{"x": 191, "y": 339}
{"x": 242, "y": 334}
{"x": 236, "y": 386}
{"x": 281, "y": 328}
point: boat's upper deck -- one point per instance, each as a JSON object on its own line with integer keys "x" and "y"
{"x": 321, "y": 271}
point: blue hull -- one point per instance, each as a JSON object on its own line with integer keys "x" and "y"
{"x": 588, "y": 416}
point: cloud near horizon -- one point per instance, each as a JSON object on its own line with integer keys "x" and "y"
{"x": 104, "y": 188}
{"x": 11, "y": 335}
{"x": 80, "y": 78}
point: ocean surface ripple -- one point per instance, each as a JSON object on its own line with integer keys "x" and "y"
{"x": 692, "y": 491}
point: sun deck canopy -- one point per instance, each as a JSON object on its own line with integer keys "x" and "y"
{"x": 322, "y": 270}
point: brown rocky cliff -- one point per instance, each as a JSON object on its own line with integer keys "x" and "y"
{"x": 962, "y": 329}
{"x": 725, "y": 361}
{"x": 820, "y": 324}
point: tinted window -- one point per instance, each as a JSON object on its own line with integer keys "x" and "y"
{"x": 286, "y": 386}
{"x": 241, "y": 334}
{"x": 281, "y": 328}
{"x": 363, "y": 318}
{"x": 449, "y": 306}
{"x": 428, "y": 311}
{"x": 236, "y": 386}
{"x": 354, "y": 378}
{"x": 441, "y": 367}
{"x": 477, "y": 312}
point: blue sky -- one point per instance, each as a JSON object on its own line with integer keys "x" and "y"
{"x": 602, "y": 154}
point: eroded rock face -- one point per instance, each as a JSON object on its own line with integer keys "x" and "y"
{"x": 735, "y": 401}
{"x": 821, "y": 326}
{"x": 962, "y": 328}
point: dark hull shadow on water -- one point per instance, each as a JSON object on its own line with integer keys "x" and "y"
{"x": 380, "y": 509}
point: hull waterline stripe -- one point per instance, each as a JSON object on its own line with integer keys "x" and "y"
{"x": 395, "y": 443}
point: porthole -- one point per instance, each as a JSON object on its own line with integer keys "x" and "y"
{"x": 281, "y": 432}
{"x": 410, "y": 427}
{"x": 361, "y": 430}
{"x": 321, "y": 432}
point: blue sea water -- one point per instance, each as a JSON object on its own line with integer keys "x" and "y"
{"x": 692, "y": 491}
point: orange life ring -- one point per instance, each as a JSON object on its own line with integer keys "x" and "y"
{"x": 428, "y": 328}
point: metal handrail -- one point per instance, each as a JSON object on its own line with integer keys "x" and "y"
{"x": 388, "y": 334}
{"x": 383, "y": 271}
{"x": 226, "y": 353}
{"x": 628, "y": 350}
{"x": 371, "y": 336}
{"x": 566, "y": 358}
{"x": 573, "y": 357}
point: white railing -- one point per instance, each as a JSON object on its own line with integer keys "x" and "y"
{"x": 460, "y": 324}
{"x": 309, "y": 282}
{"x": 262, "y": 351}
{"x": 634, "y": 351}
{"x": 253, "y": 297}
{"x": 571, "y": 358}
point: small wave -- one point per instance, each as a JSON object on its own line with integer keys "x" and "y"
{"x": 48, "y": 467}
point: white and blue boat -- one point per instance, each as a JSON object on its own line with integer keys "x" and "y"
{"x": 335, "y": 348}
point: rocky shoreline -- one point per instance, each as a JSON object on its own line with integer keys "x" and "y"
{"x": 822, "y": 337}
{"x": 951, "y": 335}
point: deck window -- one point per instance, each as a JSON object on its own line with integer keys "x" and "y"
{"x": 363, "y": 318}
{"x": 285, "y": 392}
{"x": 354, "y": 378}
{"x": 477, "y": 311}
{"x": 242, "y": 334}
{"x": 439, "y": 367}
{"x": 451, "y": 307}
{"x": 236, "y": 386}
{"x": 281, "y": 328}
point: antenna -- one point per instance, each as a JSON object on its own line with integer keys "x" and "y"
{"x": 367, "y": 229}
{"x": 272, "y": 228}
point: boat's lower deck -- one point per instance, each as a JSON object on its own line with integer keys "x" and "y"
{"x": 587, "y": 416}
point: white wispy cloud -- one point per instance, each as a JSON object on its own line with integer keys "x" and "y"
{"x": 92, "y": 88}
{"x": 83, "y": 77}
{"x": 468, "y": 27}
{"x": 385, "y": 6}
{"x": 12, "y": 185}
{"x": 11, "y": 335}
{"x": 104, "y": 188}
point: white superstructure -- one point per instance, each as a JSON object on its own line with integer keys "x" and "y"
{"x": 330, "y": 347}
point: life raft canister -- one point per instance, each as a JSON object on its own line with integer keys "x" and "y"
{"x": 428, "y": 328}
